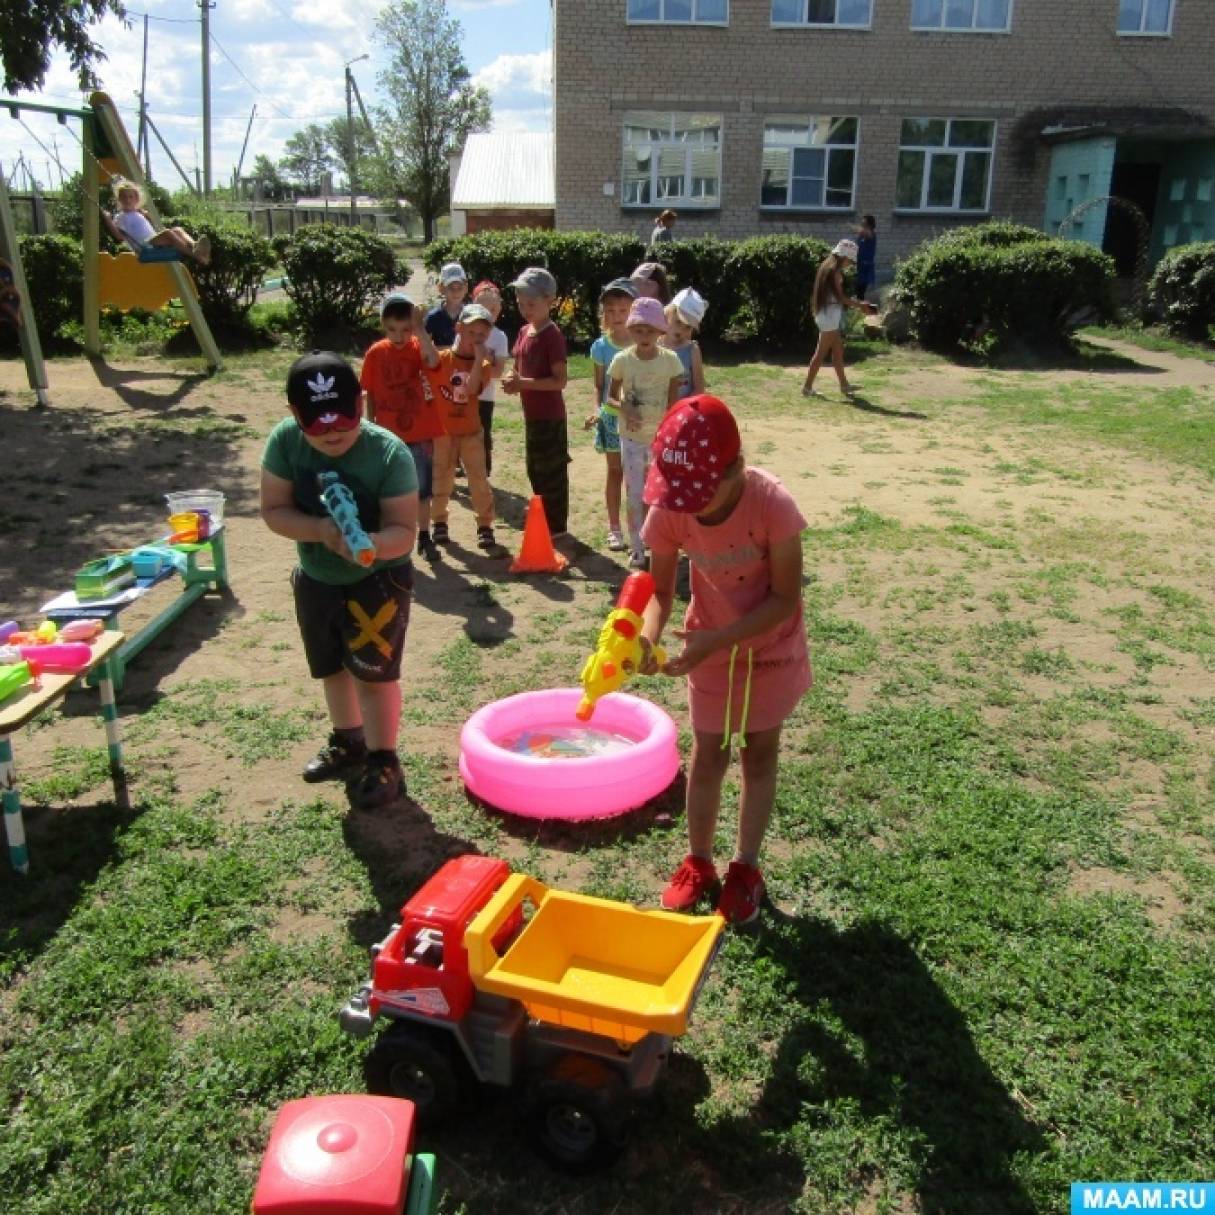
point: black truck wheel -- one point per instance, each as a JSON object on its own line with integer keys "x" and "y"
{"x": 578, "y": 1115}
{"x": 407, "y": 1062}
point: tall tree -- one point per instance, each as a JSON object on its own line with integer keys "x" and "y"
{"x": 338, "y": 131}
{"x": 306, "y": 157}
{"x": 31, "y": 29}
{"x": 433, "y": 103}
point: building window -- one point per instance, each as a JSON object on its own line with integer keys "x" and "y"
{"x": 843, "y": 14}
{"x": 809, "y": 162}
{"x": 707, "y": 12}
{"x": 961, "y": 15}
{"x": 945, "y": 164}
{"x": 1145, "y": 16}
{"x": 672, "y": 160}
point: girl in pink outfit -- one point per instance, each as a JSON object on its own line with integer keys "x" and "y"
{"x": 745, "y": 652}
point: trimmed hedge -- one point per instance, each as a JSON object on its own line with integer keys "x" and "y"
{"x": 336, "y": 277}
{"x": 1182, "y": 290}
{"x": 757, "y": 288}
{"x": 979, "y": 294}
{"x": 240, "y": 258}
{"x": 54, "y": 270}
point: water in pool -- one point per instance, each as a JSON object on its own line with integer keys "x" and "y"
{"x": 565, "y": 742}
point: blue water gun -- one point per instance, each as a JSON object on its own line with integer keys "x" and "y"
{"x": 339, "y": 502}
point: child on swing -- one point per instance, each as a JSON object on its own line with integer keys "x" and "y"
{"x": 130, "y": 224}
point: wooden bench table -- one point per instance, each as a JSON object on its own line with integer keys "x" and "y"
{"x": 196, "y": 581}
{"x": 28, "y": 703}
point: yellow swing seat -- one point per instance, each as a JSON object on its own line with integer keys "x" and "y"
{"x": 124, "y": 282}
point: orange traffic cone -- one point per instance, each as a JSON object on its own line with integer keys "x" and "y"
{"x": 537, "y": 555}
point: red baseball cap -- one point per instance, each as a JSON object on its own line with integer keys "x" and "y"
{"x": 486, "y": 285}
{"x": 697, "y": 441}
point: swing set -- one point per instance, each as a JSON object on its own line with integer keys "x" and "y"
{"x": 147, "y": 279}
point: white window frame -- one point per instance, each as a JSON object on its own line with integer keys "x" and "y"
{"x": 805, "y": 24}
{"x": 826, "y": 148}
{"x": 942, "y": 28}
{"x": 945, "y": 150}
{"x": 663, "y": 20}
{"x": 686, "y": 203}
{"x": 1141, "y": 32}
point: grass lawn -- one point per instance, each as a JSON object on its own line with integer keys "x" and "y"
{"x": 989, "y": 963}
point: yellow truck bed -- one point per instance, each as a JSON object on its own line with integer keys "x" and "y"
{"x": 593, "y": 964}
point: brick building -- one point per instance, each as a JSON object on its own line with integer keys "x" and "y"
{"x": 758, "y": 116}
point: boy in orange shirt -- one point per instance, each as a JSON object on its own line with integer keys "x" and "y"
{"x": 455, "y": 383}
{"x": 397, "y": 400}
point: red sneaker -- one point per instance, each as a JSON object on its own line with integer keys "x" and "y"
{"x": 742, "y": 893}
{"x": 693, "y": 879}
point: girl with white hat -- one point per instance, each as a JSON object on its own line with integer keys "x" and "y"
{"x": 828, "y": 301}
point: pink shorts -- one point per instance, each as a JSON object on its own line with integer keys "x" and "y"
{"x": 776, "y": 687}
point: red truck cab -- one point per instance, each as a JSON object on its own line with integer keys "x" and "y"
{"x": 422, "y": 966}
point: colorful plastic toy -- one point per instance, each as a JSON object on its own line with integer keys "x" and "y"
{"x": 344, "y": 1155}
{"x": 65, "y": 656}
{"x": 535, "y": 783}
{"x": 337, "y": 499}
{"x": 577, "y": 1006}
{"x": 15, "y": 677}
{"x": 617, "y": 655}
{"x": 7, "y": 629}
{"x": 81, "y": 630}
{"x": 101, "y": 578}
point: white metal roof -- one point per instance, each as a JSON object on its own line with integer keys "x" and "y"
{"x": 508, "y": 169}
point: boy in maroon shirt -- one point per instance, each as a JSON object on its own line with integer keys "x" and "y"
{"x": 539, "y": 376}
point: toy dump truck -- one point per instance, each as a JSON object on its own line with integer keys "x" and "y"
{"x": 493, "y": 978}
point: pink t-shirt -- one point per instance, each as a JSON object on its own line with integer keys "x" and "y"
{"x": 731, "y": 574}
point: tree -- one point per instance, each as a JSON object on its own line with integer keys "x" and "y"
{"x": 433, "y": 106}
{"x": 337, "y": 131}
{"x": 268, "y": 183}
{"x": 307, "y": 158}
{"x": 31, "y": 29}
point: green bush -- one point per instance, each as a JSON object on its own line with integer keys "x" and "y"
{"x": 749, "y": 284}
{"x": 980, "y": 294}
{"x": 335, "y": 277}
{"x": 54, "y": 270}
{"x": 1182, "y": 290}
{"x": 775, "y": 276}
{"x": 997, "y": 234}
{"x": 240, "y": 259}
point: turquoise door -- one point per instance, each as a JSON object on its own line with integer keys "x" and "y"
{"x": 1080, "y": 171}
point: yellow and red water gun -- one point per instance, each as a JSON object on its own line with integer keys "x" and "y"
{"x": 617, "y": 656}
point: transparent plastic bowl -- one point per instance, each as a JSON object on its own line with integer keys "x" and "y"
{"x": 210, "y": 500}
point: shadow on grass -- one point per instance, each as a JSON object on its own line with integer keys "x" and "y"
{"x": 68, "y": 848}
{"x": 857, "y": 401}
{"x": 916, "y": 1066}
{"x": 121, "y": 379}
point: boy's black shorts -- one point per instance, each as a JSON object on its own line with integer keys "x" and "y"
{"x": 359, "y": 627}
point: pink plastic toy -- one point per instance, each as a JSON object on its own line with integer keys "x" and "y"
{"x": 59, "y": 656}
{"x": 80, "y": 630}
{"x": 524, "y": 754}
{"x": 344, "y": 1155}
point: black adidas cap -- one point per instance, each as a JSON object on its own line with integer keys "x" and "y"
{"x": 324, "y": 393}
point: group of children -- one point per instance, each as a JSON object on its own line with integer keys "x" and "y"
{"x": 672, "y": 451}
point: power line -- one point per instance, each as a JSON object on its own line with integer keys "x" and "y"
{"x": 172, "y": 20}
{"x": 245, "y": 78}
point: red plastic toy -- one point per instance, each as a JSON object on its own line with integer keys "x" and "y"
{"x": 344, "y": 1155}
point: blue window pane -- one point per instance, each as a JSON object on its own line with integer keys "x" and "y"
{"x": 710, "y": 10}
{"x": 959, "y": 14}
{"x": 1130, "y": 13}
{"x": 927, "y": 13}
{"x": 677, "y": 10}
{"x": 809, "y": 162}
{"x": 1157, "y": 21}
{"x": 643, "y": 10}
{"x": 855, "y": 12}
{"x": 808, "y": 192}
{"x": 788, "y": 10}
{"x": 992, "y": 15}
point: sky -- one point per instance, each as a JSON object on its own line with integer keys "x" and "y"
{"x": 285, "y": 56}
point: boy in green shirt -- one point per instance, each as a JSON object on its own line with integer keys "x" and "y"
{"x": 352, "y": 617}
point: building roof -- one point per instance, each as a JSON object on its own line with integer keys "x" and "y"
{"x": 509, "y": 169}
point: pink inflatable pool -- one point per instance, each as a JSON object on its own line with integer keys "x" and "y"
{"x": 528, "y": 754}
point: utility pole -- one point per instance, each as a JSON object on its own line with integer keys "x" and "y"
{"x": 141, "y": 143}
{"x": 352, "y": 144}
{"x": 206, "y": 6}
{"x": 243, "y": 146}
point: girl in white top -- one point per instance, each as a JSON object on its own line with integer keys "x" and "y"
{"x": 489, "y": 297}
{"x": 828, "y": 302}
{"x": 130, "y": 223}
{"x": 645, "y": 381}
